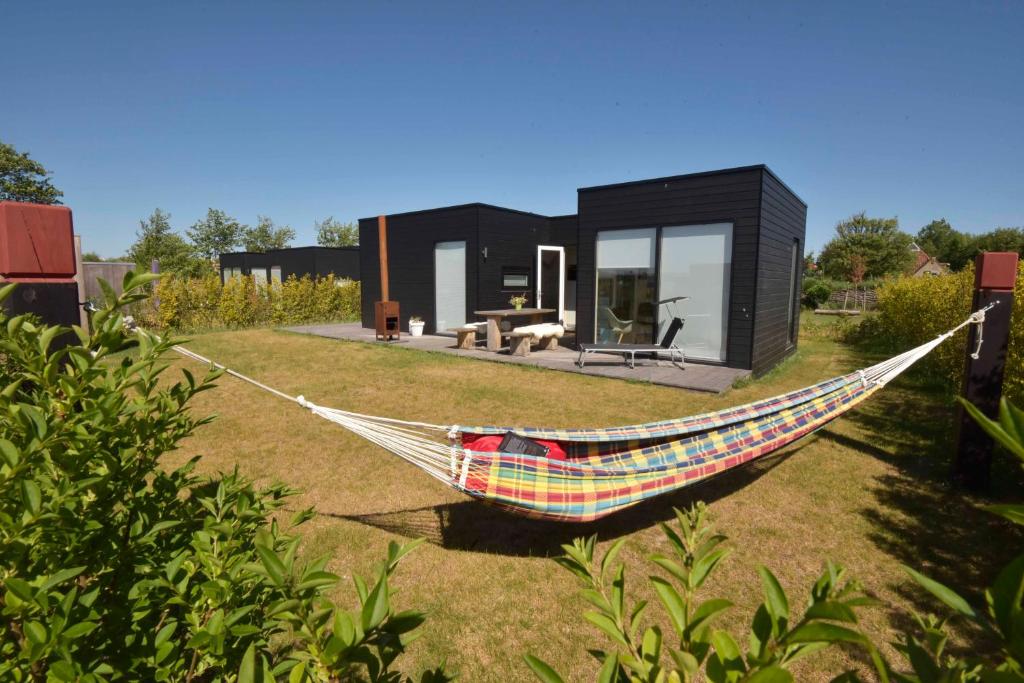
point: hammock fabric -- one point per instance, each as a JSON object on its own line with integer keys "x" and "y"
{"x": 596, "y": 472}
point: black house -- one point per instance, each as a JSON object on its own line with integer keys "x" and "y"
{"x": 280, "y": 264}
{"x": 732, "y": 241}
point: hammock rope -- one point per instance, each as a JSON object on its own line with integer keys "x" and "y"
{"x": 609, "y": 469}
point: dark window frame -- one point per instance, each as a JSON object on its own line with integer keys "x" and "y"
{"x": 518, "y": 271}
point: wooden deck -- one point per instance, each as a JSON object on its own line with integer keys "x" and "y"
{"x": 695, "y": 376}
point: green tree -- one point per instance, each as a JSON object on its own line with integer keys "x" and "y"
{"x": 22, "y": 179}
{"x": 332, "y": 233}
{"x": 266, "y": 236}
{"x": 1001, "y": 239}
{"x": 216, "y": 234}
{"x": 92, "y": 257}
{"x": 884, "y": 248}
{"x": 155, "y": 240}
{"x": 946, "y": 243}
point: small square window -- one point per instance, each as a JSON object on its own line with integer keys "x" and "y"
{"x": 515, "y": 278}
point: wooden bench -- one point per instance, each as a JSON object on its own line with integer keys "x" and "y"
{"x": 518, "y": 342}
{"x": 466, "y": 336}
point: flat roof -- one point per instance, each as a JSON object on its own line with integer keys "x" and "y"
{"x": 699, "y": 174}
{"x": 470, "y": 205}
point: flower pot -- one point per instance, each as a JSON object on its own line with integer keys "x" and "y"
{"x": 519, "y": 307}
{"x": 416, "y": 329}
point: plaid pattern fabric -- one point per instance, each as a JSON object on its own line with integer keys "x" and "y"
{"x": 667, "y": 429}
{"x": 588, "y": 488}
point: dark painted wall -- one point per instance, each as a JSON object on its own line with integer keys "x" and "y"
{"x": 783, "y": 222}
{"x": 731, "y": 196}
{"x": 343, "y": 262}
{"x": 411, "y": 240}
{"x": 511, "y": 240}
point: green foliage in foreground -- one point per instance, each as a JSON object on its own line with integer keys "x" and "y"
{"x": 778, "y": 636}
{"x": 112, "y": 568}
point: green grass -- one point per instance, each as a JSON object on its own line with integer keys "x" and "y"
{"x": 868, "y": 491}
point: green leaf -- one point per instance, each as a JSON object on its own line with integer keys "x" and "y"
{"x": 610, "y": 669}
{"x": 377, "y": 606}
{"x": 609, "y": 557}
{"x": 35, "y": 632}
{"x": 607, "y": 626}
{"x": 1005, "y": 597}
{"x": 31, "y": 496}
{"x": 823, "y": 632}
{"x": 272, "y": 563}
{"x": 994, "y": 429}
{"x": 62, "y": 671}
{"x": 1014, "y": 513}
{"x": 542, "y": 670}
{"x": 672, "y": 601}
{"x": 775, "y": 597}
{"x": 946, "y": 595}
{"x": 247, "y": 671}
{"x": 771, "y": 674}
{"x": 316, "y": 580}
{"x": 60, "y": 577}
{"x": 21, "y": 588}
{"x": 9, "y": 453}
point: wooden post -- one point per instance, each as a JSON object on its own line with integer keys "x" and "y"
{"x": 382, "y": 240}
{"x": 83, "y": 316}
{"x": 994, "y": 278}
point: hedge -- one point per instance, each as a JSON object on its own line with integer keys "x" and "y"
{"x": 913, "y": 310}
{"x": 189, "y": 304}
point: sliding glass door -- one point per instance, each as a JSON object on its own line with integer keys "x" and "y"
{"x": 696, "y": 262}
{"x": 625, "y": 286}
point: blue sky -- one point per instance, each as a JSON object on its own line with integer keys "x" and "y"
{"x": 302, "y": 110}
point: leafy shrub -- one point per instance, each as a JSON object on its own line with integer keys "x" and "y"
{"x": 913, "y": 310}
{"x": 113, "y": 568}
{"x": 815, "y": 292}
{"x": 188, "y": 304}
{"x": 777, "y": 637}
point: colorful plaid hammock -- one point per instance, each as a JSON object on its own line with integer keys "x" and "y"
{"x": 587, "y": 474}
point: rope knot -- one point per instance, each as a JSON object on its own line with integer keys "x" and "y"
{"x": 301, "y": 400}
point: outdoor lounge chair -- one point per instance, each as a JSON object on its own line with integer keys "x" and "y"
{"x": 615, "y": 325}
{"x": 629, "y": 351}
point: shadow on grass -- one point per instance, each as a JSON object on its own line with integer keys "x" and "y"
{"x": 474, "y": 526}
{"x": 918, "y": 517}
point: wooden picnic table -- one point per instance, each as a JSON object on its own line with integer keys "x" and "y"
{"x": 495, "y": 317}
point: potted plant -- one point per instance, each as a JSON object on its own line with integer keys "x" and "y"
{"x": 518, "y": 300}
{"x": 416, "y": 326}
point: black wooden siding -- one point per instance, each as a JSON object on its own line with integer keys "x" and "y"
{"x": 722, "y": 197}
{"x": 342, "y": 262}
{"x": 766, "y": 217}
{"x": 783, "y": 221}
{"x": 411, "y": 241}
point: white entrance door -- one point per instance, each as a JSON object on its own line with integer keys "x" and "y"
{"x": 551, "y": 279}
{"x": 449, "y": 285}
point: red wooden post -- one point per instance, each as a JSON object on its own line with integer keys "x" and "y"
{"x": 994, "y": 279}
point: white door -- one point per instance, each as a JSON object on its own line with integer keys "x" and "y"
{"x": 696, "y": 262}
{"x": 551, "y": 279}
{"x": 449, "y": 285}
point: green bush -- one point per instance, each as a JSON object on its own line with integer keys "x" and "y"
{"x": 115, "y": 569}
{"x": 914, "y": 310}
{"x": 815, "y": 292}
{"x": 189, "y": 304}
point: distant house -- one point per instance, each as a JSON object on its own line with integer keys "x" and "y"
{"x": 925, "y": 264}
{"x": 280, "y": 264}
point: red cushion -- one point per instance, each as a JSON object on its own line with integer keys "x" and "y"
{"x": 487, "y": 443}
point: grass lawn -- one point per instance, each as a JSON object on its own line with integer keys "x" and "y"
{"x": 867, "y": 492}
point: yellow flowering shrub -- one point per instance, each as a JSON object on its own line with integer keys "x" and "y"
{"x": 912, "y": 310}
{"x": 189, "y": 304}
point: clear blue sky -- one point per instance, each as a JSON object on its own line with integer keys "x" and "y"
{"x": 301, "y": 110}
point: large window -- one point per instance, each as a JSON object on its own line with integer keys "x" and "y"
{"x": 625, "y": 286}
{"x": 696, "y": 262}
